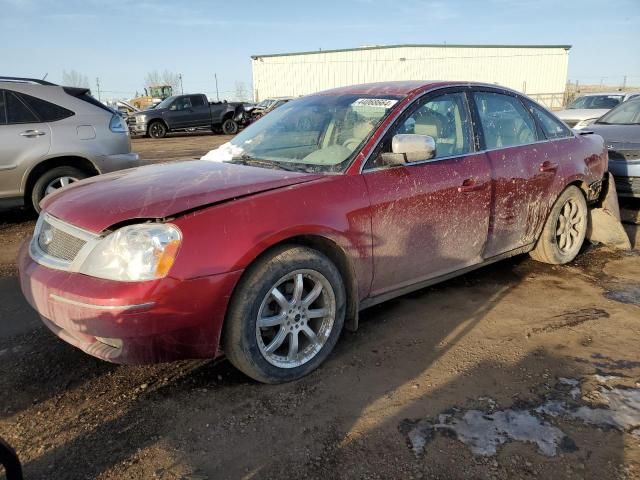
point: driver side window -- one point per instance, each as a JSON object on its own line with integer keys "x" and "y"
{"x": 445, "y": 118}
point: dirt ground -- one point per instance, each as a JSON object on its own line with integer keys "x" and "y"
{"x": 509, "y": 336}
{"x": 177, "y": 147}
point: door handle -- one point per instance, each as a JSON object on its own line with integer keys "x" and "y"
{"x": 470, "y": 185}
{"x": 32, "y": 133}
{"x": 548, "y": 167}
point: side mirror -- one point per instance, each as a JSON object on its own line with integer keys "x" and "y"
{"x": 408, "y": 148}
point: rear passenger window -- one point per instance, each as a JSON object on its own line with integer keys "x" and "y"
{"x": 552, "y": 127}
{"x": 197, "y": 101}
{"x": 505, "y": 121}
{"x": 47, "y": 111}
{"x": 17, "y": 112}
{"x": 3, "y": 111}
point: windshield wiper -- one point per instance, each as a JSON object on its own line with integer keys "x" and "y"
{"x": 260, "y": 162}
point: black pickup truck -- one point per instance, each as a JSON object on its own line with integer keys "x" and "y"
{"x": 188, "y": 113}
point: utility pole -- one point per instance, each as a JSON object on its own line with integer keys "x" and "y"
{"x": 98, "y": 85}
{"x": 181, "y": 89}
{"x": 624, "y": 82}
{"x": 215, "y": 75}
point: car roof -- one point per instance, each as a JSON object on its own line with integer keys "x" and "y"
{"x": 619, "y": 94}
{"x": 402, "y": 88}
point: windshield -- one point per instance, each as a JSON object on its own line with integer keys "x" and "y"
{"x": 626, "y": 114}
{"x": 316, "y": 133}
{"x": 596, "y": 101}
{"x": 166, "y": 102}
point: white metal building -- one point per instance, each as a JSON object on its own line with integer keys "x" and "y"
{"x": 538, "y": 70}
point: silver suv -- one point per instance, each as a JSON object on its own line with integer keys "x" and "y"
{"x": 51, "y": 136}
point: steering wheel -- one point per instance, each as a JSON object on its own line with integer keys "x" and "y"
{"x": 352, "y": 143}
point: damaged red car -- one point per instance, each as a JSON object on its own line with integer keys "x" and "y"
{"x": 268, "y": 247}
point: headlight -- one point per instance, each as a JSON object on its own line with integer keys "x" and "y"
{"x": 585, "y": 123}
{"x": 141, "y": 119}
{"x": 134, "y": 253}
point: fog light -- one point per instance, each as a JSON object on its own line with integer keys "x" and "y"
{"x": 112, "y": 342}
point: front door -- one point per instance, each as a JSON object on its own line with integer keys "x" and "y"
{"x": 180, "y": 113}
{"x": 430, "y": 217}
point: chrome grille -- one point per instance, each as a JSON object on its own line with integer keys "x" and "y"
{"x": 57, "y": 243}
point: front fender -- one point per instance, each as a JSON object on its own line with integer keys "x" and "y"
{"x": 230, "y": 236}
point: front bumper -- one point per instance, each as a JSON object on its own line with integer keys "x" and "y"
{"x": 138, "y": 128}
{"x": 129, "y": 322}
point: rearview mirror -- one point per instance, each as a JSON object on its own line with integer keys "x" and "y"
{"x": 408, "y": 148}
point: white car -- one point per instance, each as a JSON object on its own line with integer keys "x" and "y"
{"x": 586, "y": 109}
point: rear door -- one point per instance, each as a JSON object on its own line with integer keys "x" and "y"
{"x": 523, "y": 168}
{"x": 24, "y": 140}
{"x": 429, "y": 218}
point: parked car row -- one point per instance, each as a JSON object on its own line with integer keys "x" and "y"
{"x": 329, "y": 204}
{"x": 620, "y": 129}
{"x": 586, "y": 109}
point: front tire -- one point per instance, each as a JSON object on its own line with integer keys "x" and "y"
{"x": 565, "y": 229}
{"x": 52, "y": 180}
{"x": 286, "y": 315}
{"x": 229, "y": 127}
{"x": 157, "y": 130}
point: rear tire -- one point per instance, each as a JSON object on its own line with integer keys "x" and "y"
{"x": 565, "y": 229}
{"x": 229, "y": 127}
{"x": 53, "y": 179}
{"x": 157, "y": 130}
{"x": 293, "y": 291}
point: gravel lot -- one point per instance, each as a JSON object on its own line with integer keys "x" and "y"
{"x": 510, "y": 336}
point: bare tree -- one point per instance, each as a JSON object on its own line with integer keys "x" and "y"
{"x": 74, "y": 79}
{"x": 163, "y": 78}
{"x": 241, "y": 92}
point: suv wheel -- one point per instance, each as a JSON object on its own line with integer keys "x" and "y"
{"x": 52, "y": 180}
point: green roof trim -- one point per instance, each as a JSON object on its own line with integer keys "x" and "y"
{"x": 380, "y": 47}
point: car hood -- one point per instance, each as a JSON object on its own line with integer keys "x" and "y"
{"x": 160, "y": 191}
{"x": 581, "y": 113}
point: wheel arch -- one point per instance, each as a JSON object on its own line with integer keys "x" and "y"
{"x": 156, "y": 120}
{"x": 333, "y": 252}
{"x": 81, "y": 163}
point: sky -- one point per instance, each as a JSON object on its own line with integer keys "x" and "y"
{"x": 120, "y": 41}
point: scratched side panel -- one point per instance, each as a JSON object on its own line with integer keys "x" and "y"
{"x": 230, "y": 236}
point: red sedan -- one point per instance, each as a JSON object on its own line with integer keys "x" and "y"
{"x": 330, "y": 204}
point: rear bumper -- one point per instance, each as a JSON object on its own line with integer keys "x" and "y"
{"x": 627, "y": 176}
{"x": 121, "y": 161}
{"x": 130, "y": 323}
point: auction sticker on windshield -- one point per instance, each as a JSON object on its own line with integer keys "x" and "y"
{"x": 374, "y": 102}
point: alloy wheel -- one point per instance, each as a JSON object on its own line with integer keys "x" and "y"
{"x": 296, "y": 318}
{"x": 57, "y": 183}
{"x": 571, "y": 222}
